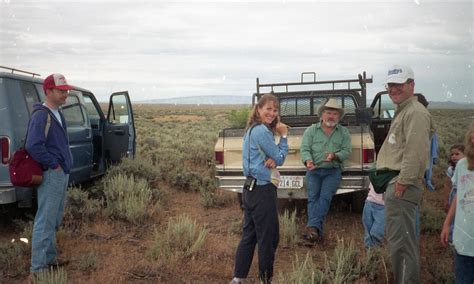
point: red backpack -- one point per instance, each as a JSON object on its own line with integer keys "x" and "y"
{"x": 24, "y": 171}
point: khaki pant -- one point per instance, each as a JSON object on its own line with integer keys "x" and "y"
{"x": 401, "y": 233}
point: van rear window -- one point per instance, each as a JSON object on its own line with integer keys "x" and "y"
{"x": 30, "y": 94}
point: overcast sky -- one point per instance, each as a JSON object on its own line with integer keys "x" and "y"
{"x": 194, "y": 48}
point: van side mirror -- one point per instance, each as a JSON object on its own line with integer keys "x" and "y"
{"x": 364, "y": 115}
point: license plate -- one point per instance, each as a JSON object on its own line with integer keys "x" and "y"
{"x": 291, "y": 182}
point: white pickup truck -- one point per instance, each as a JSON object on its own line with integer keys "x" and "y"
{"x": 298, "y": 109}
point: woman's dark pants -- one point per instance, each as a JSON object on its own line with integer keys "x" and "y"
{"x": 260, "y": 227}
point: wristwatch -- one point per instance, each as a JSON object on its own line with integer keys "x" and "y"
{"x": 284, "y": 136}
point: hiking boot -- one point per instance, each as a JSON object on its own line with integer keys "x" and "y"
{"x": 314, "y": 235}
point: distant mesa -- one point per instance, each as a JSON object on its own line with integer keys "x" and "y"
{"x": 203, "y": 100}
{"x": 247, "y": 100}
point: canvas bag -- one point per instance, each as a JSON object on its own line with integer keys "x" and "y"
{"x": 24, "y": 171}
{"x": 381, "y": 178}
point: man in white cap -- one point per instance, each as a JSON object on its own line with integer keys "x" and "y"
{"x": 324, "y": 147}
{"x": 405, "y": 151}
{"x": 47, "y": 143}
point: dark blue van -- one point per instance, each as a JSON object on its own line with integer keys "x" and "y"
{"x": 95, "y": 140}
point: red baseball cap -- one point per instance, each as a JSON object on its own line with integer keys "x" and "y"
{"x": 56, "y": 81}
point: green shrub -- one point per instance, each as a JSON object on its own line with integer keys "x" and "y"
{"x": 182, "y": 238}
{"x": 288, "y": 229}
{"x": 127, "y": 197}
{"x": 238, "y": 118}
{"x": 140, "y": 167}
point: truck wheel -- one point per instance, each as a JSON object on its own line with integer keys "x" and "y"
{"x": 358, "y": 201}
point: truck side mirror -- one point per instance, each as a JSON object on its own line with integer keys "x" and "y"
{"x": 364, "y": 115}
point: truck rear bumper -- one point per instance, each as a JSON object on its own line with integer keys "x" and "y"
{"x": 348, "y": 184}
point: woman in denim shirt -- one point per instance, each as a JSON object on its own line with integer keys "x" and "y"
{"x": 260, "y": 156}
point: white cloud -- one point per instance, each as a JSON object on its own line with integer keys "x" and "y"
{"x": 185, "y": 48}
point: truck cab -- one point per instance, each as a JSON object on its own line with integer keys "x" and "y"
{"x": 96, "y": 140}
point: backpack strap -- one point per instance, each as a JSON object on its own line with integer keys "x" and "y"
{"x": 46, "y": 128}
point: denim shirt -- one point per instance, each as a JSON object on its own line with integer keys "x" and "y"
{"x": 262, "y": 147}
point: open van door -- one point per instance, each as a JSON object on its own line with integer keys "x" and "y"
{"x": 119, "y": 138}
{"x": 383, "y": 112}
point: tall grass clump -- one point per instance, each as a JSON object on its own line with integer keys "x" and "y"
{"x": 51, "y": 276}
{"x": 288, "y": 229}
{"x": 303, "y": 271}
{"x": 127, "y": 197}
{"x": 182, "y": 238}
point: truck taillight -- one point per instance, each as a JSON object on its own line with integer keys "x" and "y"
{"x": 219, "y": 157}
{"x": 368, "y": 155}
{"x": 5, "y": 148}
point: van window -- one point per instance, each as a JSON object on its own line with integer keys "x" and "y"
{"x": 90, "y": 108}
{"x": 29, "y": 93}
{"x": 72, "y": 111}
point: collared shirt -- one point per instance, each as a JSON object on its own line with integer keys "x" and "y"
{"x": 262, "y": 146}
{"x": 407, "y": 145}
{"x": 316, "y": 145}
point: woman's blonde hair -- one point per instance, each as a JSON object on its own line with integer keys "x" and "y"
{"x": 254, "y": 117}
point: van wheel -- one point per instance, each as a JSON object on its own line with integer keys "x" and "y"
{"x": 358, "y": 201}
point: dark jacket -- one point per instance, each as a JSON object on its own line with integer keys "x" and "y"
{"x": 49, "y": 151}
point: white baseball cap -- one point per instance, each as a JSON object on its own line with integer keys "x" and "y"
{"x": 399, "y": 74}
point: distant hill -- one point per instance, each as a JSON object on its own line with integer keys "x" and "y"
{"x": 450, "y": 105}
{"x": 204, "y": 100}
{"x": 247, "y": 100}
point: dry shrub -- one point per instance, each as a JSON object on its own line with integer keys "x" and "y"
{"x": 12, "y": 258}
{"x": 79, "y": 208}
{"x": 304, "y": 271}
{"x": 182, "y": 238}
{"x": 51, "y": 276}
{"x": 127, "y": 198}
{"x": 288, "y": 229}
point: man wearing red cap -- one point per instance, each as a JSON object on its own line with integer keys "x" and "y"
{"x": 47, "y": 143}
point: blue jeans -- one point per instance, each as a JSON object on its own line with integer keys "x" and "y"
{"x": 464, "y": 268}
{"x": 51, "y": 196}
{"x": 322, "y": 184}
{"x": 373, "y": 218}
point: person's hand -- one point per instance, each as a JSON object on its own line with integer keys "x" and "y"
{"x": 269, "y": 163}
{"x": 330, "y": 156}
{"x": 399, "y": 189}
{"x": 310, "y": 165}
{"x": 444, "y": 235}
{"x": 282, "y": 129}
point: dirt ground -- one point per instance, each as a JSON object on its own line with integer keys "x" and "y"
{"x": 121, "y": 249}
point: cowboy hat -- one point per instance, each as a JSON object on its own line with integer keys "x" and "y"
{"x": 331, "y": 104}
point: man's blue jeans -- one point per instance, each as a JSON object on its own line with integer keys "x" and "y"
{"x": 322, "y": 184}
{"x": 51, "y": 196}
{"x": 373, "y": 218}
